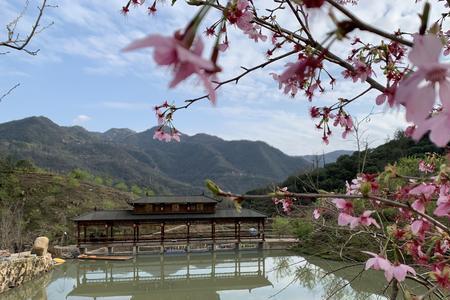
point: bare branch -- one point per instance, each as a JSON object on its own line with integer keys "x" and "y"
{"x": 9, "y": 92}
{"x": 14, "y": 41}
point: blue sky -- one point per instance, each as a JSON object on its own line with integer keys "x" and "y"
{"x": 81, "y": 77}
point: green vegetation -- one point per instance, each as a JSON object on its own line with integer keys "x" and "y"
{"x": 135, "y": 158}
{"x": 34, "y": 202}
{"x": 333, "y": 176}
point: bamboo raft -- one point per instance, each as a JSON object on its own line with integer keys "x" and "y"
{"x": 104, "y": 257}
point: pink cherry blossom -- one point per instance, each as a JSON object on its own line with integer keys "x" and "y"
{"x": 420, "y": 227}
{"x": 345, "y": 219}
{"x": 424, "y": 192}
{"x": 171, "y": 51}
{"x": 365, "y": 219}
{"x": 161, "y": 135}
{"x": 344, "y": 205}
{"x": 316, "y": 213}
{"x": 438, "y": 125}
{"x": 175, "y": 135}
{"x": 377, "y": 262}
{"x": 388, "y": 95}
{"x": 443, "y": 202}
{"x": 398, "y": 272}
{"x": 360, "y": 71}
{"x": 418, "y": 91}
{"x": 426, "y": 167}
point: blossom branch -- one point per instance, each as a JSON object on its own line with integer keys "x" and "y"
{"x": 366, "y": 27}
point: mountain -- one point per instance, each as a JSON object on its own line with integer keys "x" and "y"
{"x": 136, "y": 158}
{"x": 322, "y": 159}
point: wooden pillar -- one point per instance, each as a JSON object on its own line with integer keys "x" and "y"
{"x": 213, "y": 235}
{"x": 239, "y": 231}
{"x": 188, "y": 237}
{"x": 162, "y": 233}
{"x": 111, "y": 231}
{"x": 263, "y": 237}
{"x": 137, "y": 232}
{"x": 134, "y": 233}
{"x": 78, "y": 234}
{"x": 235, "y": 229}
{"x": 85, "y": 233}
{"x": 259, "y": 229}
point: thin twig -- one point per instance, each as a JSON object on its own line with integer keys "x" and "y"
{"x": 9, "y": 91}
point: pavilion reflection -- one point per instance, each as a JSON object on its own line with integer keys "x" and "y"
{"x": 191, "y": 276}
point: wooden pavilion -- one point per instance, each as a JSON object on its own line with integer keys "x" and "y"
{"x": 170, "y": 223}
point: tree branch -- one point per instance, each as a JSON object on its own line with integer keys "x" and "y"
{"x": 9, "y": 92}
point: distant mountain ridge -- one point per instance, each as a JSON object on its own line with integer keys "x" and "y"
{"x": 135, "y": 157}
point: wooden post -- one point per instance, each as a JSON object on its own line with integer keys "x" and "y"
{"x": 239, "y": 231}
{"x": 137, "y": 232}
{"x": 162, "y": 233}
{"x": 263, "y": 233}
{"x": 78, "y": 234}
{"x": 85, "y": 233}
{"x": 188, "y": 237}
{"x": 213, "y": 235}
{"x": 259, "y": 229}
{"x": 112, "y": 234}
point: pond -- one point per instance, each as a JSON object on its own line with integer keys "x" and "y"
{"x": 204, "y": 276}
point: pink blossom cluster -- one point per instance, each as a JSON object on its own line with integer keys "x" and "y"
{"x": 346, "y": 218}
{"x": 325, "y": 114}
{"x": 166, "y": 131}
{"x": 298, "y": 76}
{"x": 361, "y": 71}
{"x": 240, "y": 13}
{"x": 426, "y": 167}
{"x": 397, "y": 271}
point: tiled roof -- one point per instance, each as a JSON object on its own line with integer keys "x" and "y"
{"x": 127, "y": 215}
{"x": 174, "y": 199}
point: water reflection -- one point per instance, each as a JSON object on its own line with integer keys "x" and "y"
{"x": 184, "y": 277}
{"x": 207, "y": 276}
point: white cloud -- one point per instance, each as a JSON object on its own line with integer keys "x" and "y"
{"x": 80, "y": 119}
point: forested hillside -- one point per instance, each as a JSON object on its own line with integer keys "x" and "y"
{"x": 136, "y": 158}
{"x": 333, "y": 176}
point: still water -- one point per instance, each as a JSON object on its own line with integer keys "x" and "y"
{"x": 207, "y": 276}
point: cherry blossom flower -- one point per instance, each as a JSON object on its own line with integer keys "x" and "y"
{"x": 420, "y": 227}
{"x": 316, "y": 213}
{"x": 388, "y": 95}
{"x": 161, "y": 135}
{"x": 360, "y": 71}
{"x": 442, "y": 276}
{"x": 424, "y": 192}
{"x": 398, "y": 272}
{"x": 377, "y": 262}
{"x": 438, "y": 125}
{"x": 365, "y": 219}
{"x": 171, "y": 51}
{"x": 443, "y": 202}
{"x": 152, "y": 9}
{"x": 345, "y": 219}
{"x": 426, "y": 167}
{"x": 175, "y": 135}
{"x": 344, "y": 205}
{"x": 418, "y": 91}
{"x": 294, "y": 76}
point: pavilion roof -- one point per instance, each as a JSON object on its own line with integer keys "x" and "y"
{"x": 174, "y": 199}
{"x": 127, "y": 215}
